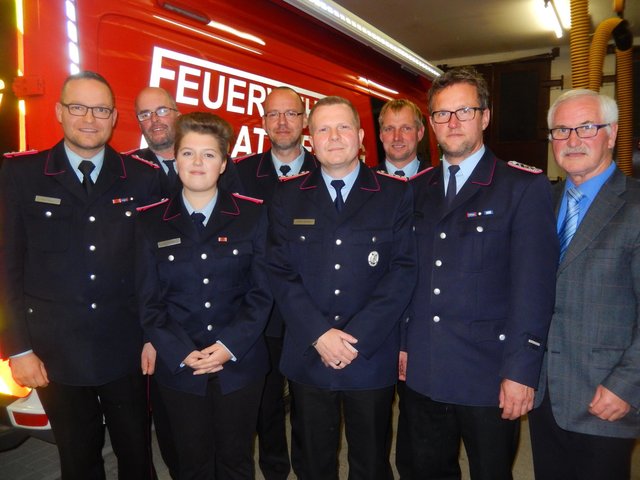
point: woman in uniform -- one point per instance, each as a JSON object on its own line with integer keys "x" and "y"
{"x": 204, "y": 302}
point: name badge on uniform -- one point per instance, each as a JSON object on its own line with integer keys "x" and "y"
{"x": 49, "y": 200}
{"x": 170, "y": 242}
{"x": 304, "y": 221}
{"x": 373, "y": 258}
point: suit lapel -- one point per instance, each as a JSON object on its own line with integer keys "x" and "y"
{"x": 113, "y": 170}
{"x": 366, "y": 184}
{"x": 176, "y": 215}
{"x": 57, "y": 166}
{"x": 603, "y": 208}
{"x": 225, "y": 211}
{"x": 314, "y": 188}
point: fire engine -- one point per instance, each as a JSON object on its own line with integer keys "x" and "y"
{"x": 212, "y": 55}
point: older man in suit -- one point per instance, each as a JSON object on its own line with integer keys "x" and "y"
{"x": 589, "y": 390}
{"x": 341, "y": 256}
{"x": 66, "y": 257}
{"x": 487, "y": 254}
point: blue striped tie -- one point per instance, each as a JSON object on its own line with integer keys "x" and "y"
{"x": 570, "y": 224}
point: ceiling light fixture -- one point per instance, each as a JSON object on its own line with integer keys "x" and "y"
{"x": 343, "y": 20}
{"x": 553, "y": 17}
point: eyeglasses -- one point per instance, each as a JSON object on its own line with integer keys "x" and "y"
{"x": 160, "y": 112}
{"x": 81, "y": 110}
{"x": 583, "y": 131}
{"x": 463, "y": 114}
{"x": 289, "y": 115}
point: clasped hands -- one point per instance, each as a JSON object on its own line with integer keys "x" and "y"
{"x": 208, "y": 360}
{"x": 335, "y": 348}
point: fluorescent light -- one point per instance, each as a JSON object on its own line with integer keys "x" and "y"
{"x": 553, "y": 18}
{"x": 343, "y": 20}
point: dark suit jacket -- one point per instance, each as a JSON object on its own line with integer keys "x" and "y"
{"x": 197, "y": 289}
{"x": 66, "y": 264}
{"x": 353, "y": 271}
{"x": 594, "y": 336}
{"x": 485, "y": 289}
{"x": 228, "y": 180}
{"x": 258, "y": 179}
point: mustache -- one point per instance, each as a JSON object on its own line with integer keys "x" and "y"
{"x": 572, "y": 150}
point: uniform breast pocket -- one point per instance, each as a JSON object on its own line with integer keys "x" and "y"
{"x": 372, "y": 251}
{"x": 49, "y": 227}
{"x": 232, "y": 264}
{"x": 176, "y": 267}
{"x": 305, "y": 245}
{"x": 482, "y": 242}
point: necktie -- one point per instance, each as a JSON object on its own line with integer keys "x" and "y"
{"x": 400, "y": 173}
{"x": 86, "y": 167}
{"x": 285, "y": 169}
{"x": 570, "y": 224}
{"x": 171, "y": 171}
{"x": 452, "y": 186}
{"x": 198, "y": 221}
{"x": 339, "y": 202}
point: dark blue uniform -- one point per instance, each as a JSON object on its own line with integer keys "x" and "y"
{"x": 353, "y": 271}
{"x": 483, "y": 301}
{"x": 258, "y": 178}
{"x": 66, "y": 263}
{"x": 196, "y": 289}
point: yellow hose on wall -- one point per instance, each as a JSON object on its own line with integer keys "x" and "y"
{"x": 579, "y": 43}
{"x": 587, "y": 73}
{"x": 599, "y": 50}
{"x": 624, "y": 97}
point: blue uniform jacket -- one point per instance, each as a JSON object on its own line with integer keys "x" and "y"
{"x": 66, "y": 264}
{"x": 486, "y": 283}
{"x": 197, "y": 289}
{"x": 354, "y": 271}
{"x": 258, "y": 178}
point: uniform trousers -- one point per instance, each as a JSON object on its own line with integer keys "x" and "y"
{"x": 563, "y": 455}
{"x": 166, "y": 443}
{"x": 316, "y": 425}
{"x": 272, "y": 436}
{"x": 76, "y": 415}
{"x": 434, "y": 433}
{"x": 213, "y": 434}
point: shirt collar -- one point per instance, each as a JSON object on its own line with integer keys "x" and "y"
{"x": 75, "y": 159}
{"x": 348, "y": 180}
{"x": 206, "y": 211}
{"x": 410, "y": 169}
{"x": 295, "y": 164}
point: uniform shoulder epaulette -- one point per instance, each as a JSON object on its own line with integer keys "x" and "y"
{"x": 421, "y": 172}
{"x": 402, "y": 178}
{"x": 293, "y": 177}
{"x": 20, "y": 154}
{"x": 129, "y": 152}
{"x": 144, "y": 208}
{"x": 524, "y": 168}
{"x": 243, "y": 157}
{"x": 259, "y": 201}
{"x": 146, "y": 162}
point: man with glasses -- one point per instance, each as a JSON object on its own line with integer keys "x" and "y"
{"x": 589, "y": 394}
{"x": 157, "y": 112}
{"x": 66, "y": 256}
{"x": 487, "y": 253}
{"x": 401, "y": 129}
{"x": 284, "y": 120}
